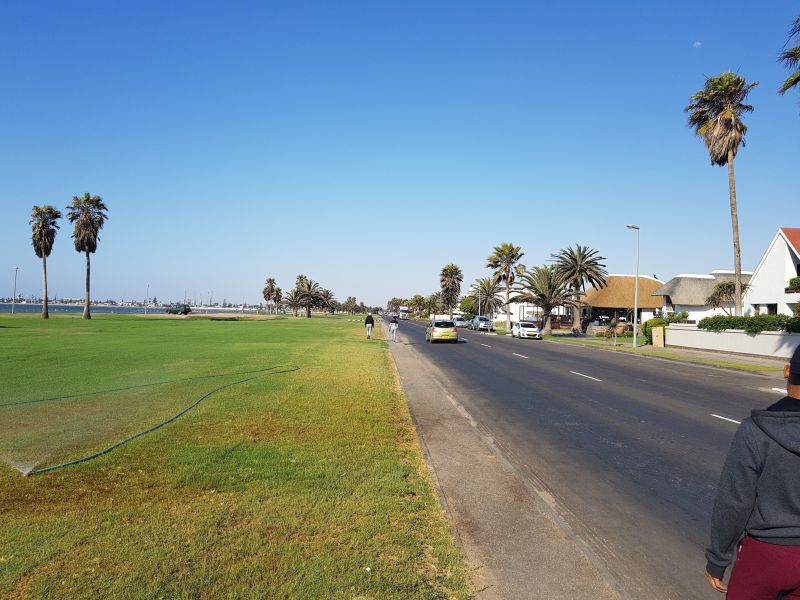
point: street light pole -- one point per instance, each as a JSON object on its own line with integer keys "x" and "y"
{"x": 636, "y": 292}
{"x": 146, "y": 298}
{"x": 14, "y": 297}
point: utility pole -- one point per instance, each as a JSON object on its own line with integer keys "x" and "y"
{"x": 636, "y": 292}
{"x": 14, "y": 297}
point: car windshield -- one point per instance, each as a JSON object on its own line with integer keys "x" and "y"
{"x": 528, "y": 325}
{"x": 444, "y": 324}
{"x": 483, "y": 319}
{"x": 456, "y": 319}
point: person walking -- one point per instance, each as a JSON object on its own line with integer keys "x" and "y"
{"x": 369, "y": 323}
{"x": 393, "y": 325}
{"x": 756, "y": 514}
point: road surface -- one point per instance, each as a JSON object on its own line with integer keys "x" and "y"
{"x": 630, "y": 448}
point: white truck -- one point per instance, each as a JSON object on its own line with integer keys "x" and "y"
{"x": 403, "y": 312}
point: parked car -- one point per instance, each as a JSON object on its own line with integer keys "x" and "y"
{"x": 179, "y": 309}
{"x": 460, "y": 321}
{"x": 481, "y": 324}
{"x": 441, "y": 330}
{"x": 525, "y": 329}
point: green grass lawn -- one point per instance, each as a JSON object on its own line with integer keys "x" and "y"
{"x": 298, "y": 484}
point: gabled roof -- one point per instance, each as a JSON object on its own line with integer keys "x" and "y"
{"x": 692, "y": 290}
{"x": 792, "y": 235}
{"x": 619, "y": 293}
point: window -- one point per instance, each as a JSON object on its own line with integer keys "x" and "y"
{"x": 772, "y": 309}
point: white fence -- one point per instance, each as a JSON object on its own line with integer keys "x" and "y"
{"x": 776, "y": 344}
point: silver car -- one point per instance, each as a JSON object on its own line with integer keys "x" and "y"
{"x": 481, "y": 324}
{"x": 525, "y": 329}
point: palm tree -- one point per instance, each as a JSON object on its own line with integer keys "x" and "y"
{"x": 486, "y": 291}
{"x": 417, "y": 304}
{"x": 545, "y": 288}
{"x": 504, "y": 260}
{"x": 791, "y": 58}
{"x": 434, "y": 303}
{"x": 723, "y": 294}
{"x": 579, "y": 266}
{"x": 450, "y": 280}
{"x": 715, "y": 114}
{"x": 309, "y": 292}
{"x": 326, "y": 300}
{"x": 88, "y": 214}
{"x": 277, "y": 296}
{"x": 269, "y": 292}
{"x": 293, "y": 300}
{"x": 44, "y": 221}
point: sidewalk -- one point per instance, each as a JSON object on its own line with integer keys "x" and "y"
{"x": 510, "y": 531}
{"x": 740, "y": 362}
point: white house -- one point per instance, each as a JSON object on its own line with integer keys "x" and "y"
{"x": 688, "y": 292}
{"x": 781, "y": 262}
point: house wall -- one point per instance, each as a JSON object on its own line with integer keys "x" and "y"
{"x": 767, "y": 343}
{"x": 771, "y": 278}
{"x": 697, "y": 313}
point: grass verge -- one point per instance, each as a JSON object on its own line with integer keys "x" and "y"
{"x": 307, "y": 484}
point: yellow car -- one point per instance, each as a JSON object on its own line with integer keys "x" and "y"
{"x": 441, "y": 330}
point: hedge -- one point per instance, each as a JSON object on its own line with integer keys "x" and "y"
{"x": 648, "y": 328}
{"x": 794, "y": 282}
{"x": 755, "y": 324}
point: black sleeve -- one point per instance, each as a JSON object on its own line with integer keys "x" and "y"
{"x": 736, "y": 496}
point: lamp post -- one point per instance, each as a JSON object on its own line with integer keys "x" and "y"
{"x": 14, "y": 297}
{"x": 146, "y": 298}
{"x": 636, "y": 292}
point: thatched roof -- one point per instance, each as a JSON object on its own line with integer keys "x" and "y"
{"x": 620, "y": 291}
{"x": 690, "y": 289}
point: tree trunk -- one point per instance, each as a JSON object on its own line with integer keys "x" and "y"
{"x": 45, "y": 311}
{"x": 547, "y": 327}
{"x": 576, "y": 309}
{"x": 737, "y": 255}
{"x": 86, "y": 313}
{"x": 508, "y": 300}
{"x": 308, "y": 311}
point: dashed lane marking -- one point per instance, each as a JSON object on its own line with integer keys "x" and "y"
{"x": 520, "y": 355}
{"x": 587, "y": 376}
{"x": 487, "y": 345}
{"x": 727, "y": 419}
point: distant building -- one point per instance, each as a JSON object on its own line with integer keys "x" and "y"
{"x": 688, "y": 293}
{"x": 768, "y": 287}
{"x": 617, "y": 298}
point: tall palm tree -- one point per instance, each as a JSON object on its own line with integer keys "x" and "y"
{"x": 88, "y": 214}
{"x": 326, "y": 300}
{"x": 715, "y": 114}
{"x": 44, "y": 221}
{"x": 293, "y": 300}
{"x": 417, "y": 304}
{"x": 545, "y": 288}
{"x": 791, "y": 58}
{"x": 309, "y": 292}
{"x": 486, "y": 293}
{"x": 450, "y": 281}
{"x": 504, "y": 261}
{"x": 277, "y": 296}
{"x": 433, "y": 303}
{"x": 579, "y": 266}
{"x": 269, "y": 291}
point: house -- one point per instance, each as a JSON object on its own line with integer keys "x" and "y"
{"x": 768, "y": 293}
{"x": 688, "y": 293}
{"x": 617, "y": 298}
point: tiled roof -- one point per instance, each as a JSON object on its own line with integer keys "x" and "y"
{"x": 793, "y": 235}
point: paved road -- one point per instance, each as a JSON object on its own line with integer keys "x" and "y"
{"x": 629, "y": 448}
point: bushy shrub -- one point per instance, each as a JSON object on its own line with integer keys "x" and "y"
{"x": 794, "y": 282}
{"x": 648, "y": 328}
{"x": 680, "y": 317}
{"x": 793, "y": 325}
{"x": 755, "y": 324}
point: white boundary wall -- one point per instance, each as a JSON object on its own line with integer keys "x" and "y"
{"x": 767, "y": 343}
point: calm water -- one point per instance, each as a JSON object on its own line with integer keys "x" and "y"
{"x": 74, "y": 308}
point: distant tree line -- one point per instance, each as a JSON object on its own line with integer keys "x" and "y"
{"x": 308, "y": 295}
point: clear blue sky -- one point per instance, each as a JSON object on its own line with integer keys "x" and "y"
{"x": 367, "y": 144}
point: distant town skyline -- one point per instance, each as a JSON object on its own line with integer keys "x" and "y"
{"x": 367, "y": 145}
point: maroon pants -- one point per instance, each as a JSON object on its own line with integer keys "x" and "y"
{"x": 765, "y": 572}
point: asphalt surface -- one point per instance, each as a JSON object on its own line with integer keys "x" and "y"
{"x": 629, "y": 448}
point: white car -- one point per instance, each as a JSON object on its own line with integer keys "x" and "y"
{"x": 460, "y": 321}
{"x": 525, "y": 329}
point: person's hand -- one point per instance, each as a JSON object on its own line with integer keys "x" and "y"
{"x": 716, "y": 583}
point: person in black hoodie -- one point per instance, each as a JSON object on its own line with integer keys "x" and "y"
{"x": 757, "y": 510}
{"x": 369, "y": 323}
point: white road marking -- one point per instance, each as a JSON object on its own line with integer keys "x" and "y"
{"x": 727, "y": 419}
{"x": 779, "y": 390}
{"x": 487, "y": 345}
{"x": 587, "y": 376}
{"x": 520, "y": 355}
